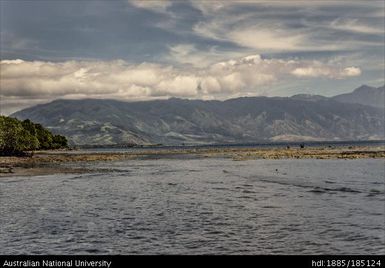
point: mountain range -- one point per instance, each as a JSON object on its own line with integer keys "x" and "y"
{"x": 354, "y": 116}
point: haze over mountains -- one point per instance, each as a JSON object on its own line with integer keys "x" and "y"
{"x": 354, "y": 116}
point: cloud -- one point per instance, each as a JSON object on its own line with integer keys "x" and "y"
{"x": 310, "y": 72}
{"x": 354, "y": 25}
{"x": 266, "y": 40}
{"x": 351, "y": 71}
{"x": 153, "y": 5}
{"x": 250, "y": 31}
{"x": 290, "y": 26}
{"x": 119, "y": 79}
{"x": 325, "y": 71}
{"x": 189, "y": 54}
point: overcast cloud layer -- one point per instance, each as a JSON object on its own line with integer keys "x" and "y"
{"x": 137, "y": 50}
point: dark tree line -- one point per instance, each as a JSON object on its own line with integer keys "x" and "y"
{"x": 18, "y": 136}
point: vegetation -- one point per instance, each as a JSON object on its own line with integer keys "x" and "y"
{"x": 17, "y": 136}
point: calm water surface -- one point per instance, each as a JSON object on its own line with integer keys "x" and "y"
{"x": 198, "y": 206}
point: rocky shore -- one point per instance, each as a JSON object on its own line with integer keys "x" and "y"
{"x": 52, "y": 162}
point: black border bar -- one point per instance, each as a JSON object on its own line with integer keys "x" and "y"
{"x": 114, "y": 261}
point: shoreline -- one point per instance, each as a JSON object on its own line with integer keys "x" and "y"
{"x": 51, "y": 162}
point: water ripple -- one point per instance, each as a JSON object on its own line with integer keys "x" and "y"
{"x": 198, "y": 206}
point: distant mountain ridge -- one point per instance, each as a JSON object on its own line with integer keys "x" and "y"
{"x": 181, "y": 121}
{"x": 365, "y": 95}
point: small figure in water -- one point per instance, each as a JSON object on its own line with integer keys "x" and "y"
{"x": 302, "y": 145}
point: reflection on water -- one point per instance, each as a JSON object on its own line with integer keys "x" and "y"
{"x": 198, "y": 206}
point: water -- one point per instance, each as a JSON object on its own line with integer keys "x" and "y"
{"x": 198, "y": 206}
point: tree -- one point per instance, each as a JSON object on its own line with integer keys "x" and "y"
{"x": 19, "y": 136}
{"x": 60, "y": 141}
{"x": 14, "y": 138}
{"x": 32, "y": 141}
{"x": 44, "y": 136}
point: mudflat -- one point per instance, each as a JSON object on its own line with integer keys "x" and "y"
{"x": 52, "y": 162}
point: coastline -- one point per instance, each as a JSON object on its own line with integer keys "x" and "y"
{"x": 52, "y": 162}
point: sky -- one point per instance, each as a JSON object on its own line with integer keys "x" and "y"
{"x": 198, "y": 49}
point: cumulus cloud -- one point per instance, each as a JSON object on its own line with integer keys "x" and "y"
{"x": 324, "y": 71}
{"x": 119, "y": 79}
{"x": 310, "y": 72}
